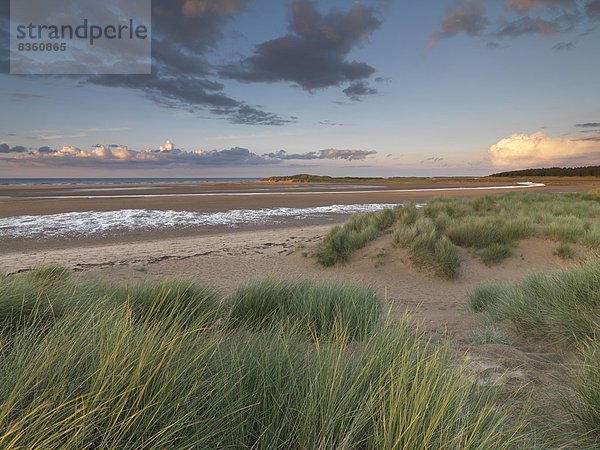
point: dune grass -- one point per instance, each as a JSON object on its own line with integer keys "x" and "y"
{"x": 485, "y": 297}
{"x": 563, "y": 307}
{"x": 428, "y": 248}
{"x": 565, "y": 228}
{"x": 118, "y": 372}
{"x": 341, "y": 241}
{"x": 586, "y": 407}
{"x": 495, "y": 253}
{"x": 323, "y": 309}
{"x": 490, "y": 225}
{"x": 564, "y": 251}
{"x": 488, "y": 335}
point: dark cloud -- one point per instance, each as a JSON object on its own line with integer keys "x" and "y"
{"x": 595, "y": 138}
{"x": 588, "y": 125}
{"x": 432, "y": 160}
{"x": 349, "y": 155}
{"x": 247, "y": 115}
{"x": 4, "y": 36}
{"x": 564, "y": 45}
{"x": 593, "y": 9}
{"x": 5, "y": 148}
{"x": 356, "y": 91}
{"x": 282, "y": 155}
{"x": 314, "y": 53}
{"x": 572, "y": 43}
{"x": 45, "y": 150}
{"x": 183, "y": 31}
{"x": 330, "y": 123}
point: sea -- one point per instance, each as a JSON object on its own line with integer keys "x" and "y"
{"x": 93, "y": 181}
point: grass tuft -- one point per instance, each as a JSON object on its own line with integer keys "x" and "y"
{"x": 488, "y": 335}
{"x": 564, "y": 251}
{"x": 485, "y": 297}
{"x": 428, "y": 248}
{"x": 495, "y": 253}
{"x": 337, "y": 246}
{"x": 587, "y": 387}
{"x": 323, "y": 309}
{"x": 563, "y": 307}
{"x": 565, "y": 229}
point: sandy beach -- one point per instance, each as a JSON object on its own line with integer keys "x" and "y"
{"x": 226, "y": 256}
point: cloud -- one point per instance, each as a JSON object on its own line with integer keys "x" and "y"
{"x": 330, "y": 123}
{"x": 593, "y": 9}
{"x": 183, "y": 31}
{"x": 588, "y": 125}
{"x": 5, "y": 148}
{"x": 349, "y": 155}
{"x": 525, "y": 5}
{"x": 22, "y": 96}
{"x": 463, "y": 17}
{"x": 122, "y": 157}
{"x": 553, "y": 18}
{"x": 538, "y": 149}
{"x": 313, "y": 55}
{"x": 221, "y": 7}
{"x": 538, "y": 26}
{"x": 595, "y": 138}
{"x": 432, "y": 160}
{"x": 356, "y": 91}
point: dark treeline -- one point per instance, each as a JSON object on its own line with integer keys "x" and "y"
{"x": 587, "y": 171}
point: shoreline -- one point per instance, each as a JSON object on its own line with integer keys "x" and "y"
{"x": 219, "y": 197}
{"x": 80, "y": 256}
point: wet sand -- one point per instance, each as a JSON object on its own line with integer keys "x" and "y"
{"x": 213, "y": 197}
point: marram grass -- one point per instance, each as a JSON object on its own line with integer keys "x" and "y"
{"x": 490, "y": 225}
{"x": 341, "y": 241}
{"x": 320, "y": 309}
{"x": 563, "y": 307}
{"x": 116, "y": 371}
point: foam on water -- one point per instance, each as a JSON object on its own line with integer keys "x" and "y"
{"x": 88, "y": 223}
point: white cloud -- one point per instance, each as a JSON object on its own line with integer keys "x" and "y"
{"x": 537, "y": 149}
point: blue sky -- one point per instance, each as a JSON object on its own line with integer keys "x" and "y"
{"x": 444, "y": 87}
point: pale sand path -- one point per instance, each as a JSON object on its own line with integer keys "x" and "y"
{"x": 264, "y": 242}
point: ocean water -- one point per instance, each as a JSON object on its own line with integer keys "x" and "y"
{"x": 98, "y": 223}
{"x": 93, "y": 181}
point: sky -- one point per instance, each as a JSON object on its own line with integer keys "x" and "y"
{"x": 253, "y": 88}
